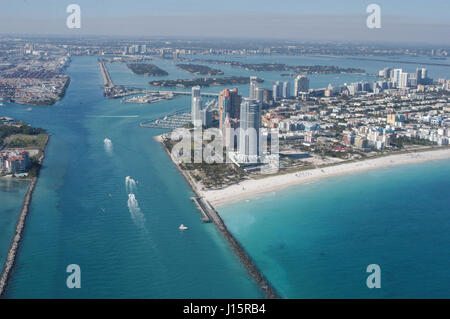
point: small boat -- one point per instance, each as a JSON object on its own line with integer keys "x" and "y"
{"x": 182, "y": 227}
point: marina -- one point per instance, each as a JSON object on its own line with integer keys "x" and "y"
{"x": 172, "y": 121}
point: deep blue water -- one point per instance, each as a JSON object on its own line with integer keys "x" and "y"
{"x": 80, "y": 212}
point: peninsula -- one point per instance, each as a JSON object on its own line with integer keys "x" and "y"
{"x": 14, "y": 161}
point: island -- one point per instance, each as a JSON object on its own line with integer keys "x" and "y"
{"x": 199, "y": 69}
{"x": 279, "y": 67}
{"x": 204, "y": 82}
{"x": 146, "y": 69}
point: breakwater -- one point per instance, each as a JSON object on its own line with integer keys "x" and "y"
{"x": 107, "y": 82}
{"x": 207, "y": 210}
{"x": 20, "y": 227}
{"x": 12, "y": 253}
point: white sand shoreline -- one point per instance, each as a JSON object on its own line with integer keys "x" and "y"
{"x": 254, "y": 187}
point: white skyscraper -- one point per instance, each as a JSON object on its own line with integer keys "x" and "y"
{"x": 195, "y": 91}
{"x": 253, "y": 86}
{"x": 286, "y": 90}
{"x": 196, "y": 115}
{"x": 259, "y": 94}
{"x": 250, "y": 123}
{"x": 396, "y": 77}
{"x": 301, "y": 84}
{"x": 277, "y": 91}
{"x": 403, "y": 80}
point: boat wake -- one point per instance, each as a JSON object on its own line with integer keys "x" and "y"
{"x": 108, "y": 145}
{"x": 130, "y": 185}
{"x": 136, "y": 214}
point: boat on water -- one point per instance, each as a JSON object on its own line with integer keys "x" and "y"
{"x": 182, "y": 227}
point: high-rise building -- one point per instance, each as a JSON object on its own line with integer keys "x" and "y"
{"x": 301, "y": 84}
{"x": 259, "y": 94}
{"x": 422, "y": 75}
{"x": 403, "y": 80}
{"x": 229, "y": 105}
{"x": 250, "y": 123}
{"x": 396, "y": 73}
{"x": 195, "y": 91}
{"x": 286, "y": 90}
{"x": 253, "y": 85}
{"x": 196, "y": 107}
{"x": 207, "y": 118}
{"x": 277, "y": 91}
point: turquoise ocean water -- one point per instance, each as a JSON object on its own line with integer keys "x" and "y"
{"x": 81, "y": 212}
{"x": 316, "y": 240}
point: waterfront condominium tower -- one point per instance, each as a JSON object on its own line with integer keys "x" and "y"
{"x": 195, "y": 91}
{"x": 277, "y": 91}
{"x": 301, "y": 84}
{"x": 286, "y": 90}
{"x": 229, "y": 104}
{"x": 249, "y": 130}
{"x": 196, "y": 108}
{"x": 196, "y": 105}
{"x": 253, "y": 85}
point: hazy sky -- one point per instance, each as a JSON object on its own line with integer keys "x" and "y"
{"x": 339, "y": 20}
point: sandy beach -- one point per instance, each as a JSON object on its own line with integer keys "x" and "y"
{"x": 253, "y": 187}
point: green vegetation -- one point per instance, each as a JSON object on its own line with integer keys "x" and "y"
{"x": 310, "y": 69}
{"x": 212, "y": 176}
{"x": 204, "y": 82}
{"x": 403, "y": 140}
{"x": 21, "y": 131}
{"x": 21, "y": 135}
{"x": 146, "y": 69}
{"x": 34, "y": 168}
{"x": 199, "y": 69}
{"x": 23, "y": 140}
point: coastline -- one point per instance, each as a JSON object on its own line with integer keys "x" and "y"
{"x": 214, "y": 217}
{"x": 254, "y": 187}
{"x": 20, "y": 227}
